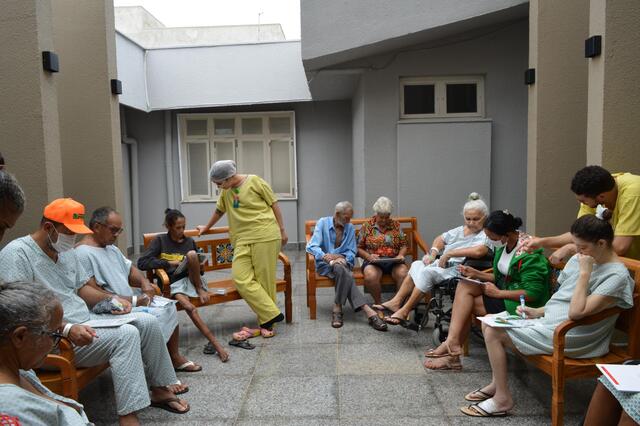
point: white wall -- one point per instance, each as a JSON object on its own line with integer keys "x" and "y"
{"x": 130, "y": 60}
{"x": 501, "y": 57}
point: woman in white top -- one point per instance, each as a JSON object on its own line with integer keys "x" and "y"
{"x": 454, "y": 246}
{"x": 30, "y": 321}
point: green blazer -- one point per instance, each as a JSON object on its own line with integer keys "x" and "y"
{"x": 527, "y": 271}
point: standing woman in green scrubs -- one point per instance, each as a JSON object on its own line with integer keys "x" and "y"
{"x": 256, "y": 231}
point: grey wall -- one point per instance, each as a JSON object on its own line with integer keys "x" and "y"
{"x": 130, "y": 59}
{"x": 331, "y": 30}
{"x": 501, "y": 56}
{"x": 358, "y": 113}
{"x": 324, "y": 158}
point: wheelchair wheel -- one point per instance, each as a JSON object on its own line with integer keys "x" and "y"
{"x": 421, "y": 315}
{"x": 439, "y": 335}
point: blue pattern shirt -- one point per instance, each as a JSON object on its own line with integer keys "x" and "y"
{"x": 323, "y": 242}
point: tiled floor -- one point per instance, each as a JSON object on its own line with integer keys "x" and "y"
{"x": 312, "y": 374}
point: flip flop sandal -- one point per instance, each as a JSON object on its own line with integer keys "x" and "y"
{"x": 251, "y": 332}
{"x": 430, "y": 353}
{"x": 209, "y": 349}
{"x": 183, "y": 391}
{"x": 242, "y": 334}
{"x": 483, "y": 396}
{"x": 164, "y": 405}
{"x": 402, "y": 323}
{"x": 483, "y": 409}
{"x": 241, "y": 344}
{"x": 337, "y": 319}
{"x": 184, "y": 368}
{"x": 377, "y": 323}
{"x": 381, "y": 309}
{"x": 451, "y": 362}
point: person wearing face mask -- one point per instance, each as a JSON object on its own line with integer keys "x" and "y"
{"x": 30, "y": 327}
{"x": 593, "y": 280}
{"x": 131, "y": 349}
{"x": 515, "y": 272}
{"x": 466, "y": 241}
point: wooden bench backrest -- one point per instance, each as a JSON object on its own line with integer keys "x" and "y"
{"x": 209, "y": 242}
{"x": 409, "y": 226}
{"x": 629, "y": 320}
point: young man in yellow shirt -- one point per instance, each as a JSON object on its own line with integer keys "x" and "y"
{"x": 620, "y": 193}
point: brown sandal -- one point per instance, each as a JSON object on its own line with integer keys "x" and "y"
{"x": 376, "y": 322}
{"x": 337, "y": 319}
{"x": 449, "y": 362}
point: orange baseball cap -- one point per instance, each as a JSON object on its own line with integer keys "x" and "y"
{"x": 68, "y": 212}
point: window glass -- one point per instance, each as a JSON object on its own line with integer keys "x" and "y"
{"x": 281, "y": 125}
{"x": 197, "y": 127}
{"x": 419, "y": 99}
{"x": 252, "y": 155}
{"x": 224, "y": 126}
{"x": 280, "y": 166}
{"x": 252, "y": 126}
{"x": 223, "y": 151}
{"x": 198, "y": 169}
{"x": 462, "y": 98}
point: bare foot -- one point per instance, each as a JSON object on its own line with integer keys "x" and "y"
{"x": 177, "y": 388}
{"x": 222, "y": 354}
{"x": 439, "y": 351}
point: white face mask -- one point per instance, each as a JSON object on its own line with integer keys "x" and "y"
{"x": 496, "y": 244}
{"x": 65, "y": 242}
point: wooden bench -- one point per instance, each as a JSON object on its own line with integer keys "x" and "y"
{"x": 409, "y": 226}
{"x": 561, "y": 368}
{"x": 216, "y": 242}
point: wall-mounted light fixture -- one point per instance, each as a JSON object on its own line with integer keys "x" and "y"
{"x": 50, "y": 61}
{"x": 530, "y": 76}
{"x": 116, "y": 87}
{"x": 593, "y": 46}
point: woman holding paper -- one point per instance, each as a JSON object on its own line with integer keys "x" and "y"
{"x": 515, "y": 273}
{"x": 168, "y": 251}
{"x": 593, "y": 280}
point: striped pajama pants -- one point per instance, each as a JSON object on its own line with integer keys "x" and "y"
{"x": 131, "y": 350}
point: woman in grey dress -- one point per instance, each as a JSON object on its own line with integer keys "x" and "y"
{"x": 30, "y": 320}
{"x": 593, "y": 280}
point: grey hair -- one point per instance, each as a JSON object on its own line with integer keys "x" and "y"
{"x": 475, "y": 202}
{"x": 222, "y": 170}
{"x": 100, "y": 215}
{"x": 343, "y": 206}
{"x": 10, "y": 192}
{"x": 28, "y": 304}
{"x": 383, "y": 205}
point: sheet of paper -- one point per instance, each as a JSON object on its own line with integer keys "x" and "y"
{"x": 471, "y": 280}
{"x": 504, "y": 320}
{"x": 625, "y": 378}
{"x": 218, "y": 290}
{"x": 159, "y": 302}
{"x": 108, "y": 322}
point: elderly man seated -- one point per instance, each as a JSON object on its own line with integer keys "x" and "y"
{"x": 333, "y": 245}
{"x": 133, "y": 349}
{"x": 115, "y": 274}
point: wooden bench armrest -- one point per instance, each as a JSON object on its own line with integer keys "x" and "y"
{"x": 284, "y": 259}
{"x": 564, "y": 327}
{"x": 420, "y": 242}
{"x": 65, "y": 357}
{"x": 311, "y": 262}
{"x": 163, "y": 277}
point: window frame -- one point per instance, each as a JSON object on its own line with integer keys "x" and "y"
{"x": 236, "y": 139}
{"x": 440, "y": 95}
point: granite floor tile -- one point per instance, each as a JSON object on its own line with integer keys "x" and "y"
{"x": 310, "y": 360}
{"x": 389, "y": 359}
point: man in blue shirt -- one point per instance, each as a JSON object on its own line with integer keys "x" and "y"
{"x": 333, "y": 245}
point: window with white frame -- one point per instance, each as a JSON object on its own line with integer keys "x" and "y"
{"x": 260, "y": 143}
{"x": 441, "y": 97}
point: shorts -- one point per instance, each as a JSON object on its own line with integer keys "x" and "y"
{"x": 492, "y": 305}
{"x": 385, "y": 267}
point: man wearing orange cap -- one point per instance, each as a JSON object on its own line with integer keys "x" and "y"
{"x": 46, "y": 257}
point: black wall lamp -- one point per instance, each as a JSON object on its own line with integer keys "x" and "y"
{"x": 530, "y": 76}
{"x": 50, "y": 61}
{"x": 116, "y": 87}
{"x": 593, "y": 46}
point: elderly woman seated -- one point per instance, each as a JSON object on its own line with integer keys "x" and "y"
{"x": 383, "y": 246}
{"x": 454, "y": 246}
{"x": 30, "y": 321}
{"x": 593, "y": 280}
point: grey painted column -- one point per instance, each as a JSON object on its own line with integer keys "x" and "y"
{"x": 614, "y": 92}
{"x": 557, "y": 112}
{"x": 84, "y": 35}
{"x": 29, "y": 138}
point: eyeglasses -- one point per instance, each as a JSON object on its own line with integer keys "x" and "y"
{"x": 54, "y": 335}
{"x": 113, "y": 229}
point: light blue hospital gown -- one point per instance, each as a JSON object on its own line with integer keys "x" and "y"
{"x": 132, "y": 350}
{"x": 34, "y": 410}
{"x": 586, "y": 341}
{"x": 630, "y": 401}
{"x": 426, "y": 276}
{"x": 111, "y": 270}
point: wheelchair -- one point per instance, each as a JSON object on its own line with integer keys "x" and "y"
{"x": 441, "y": 302}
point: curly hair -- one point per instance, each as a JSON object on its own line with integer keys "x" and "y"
{"x": 591, "y": 181}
